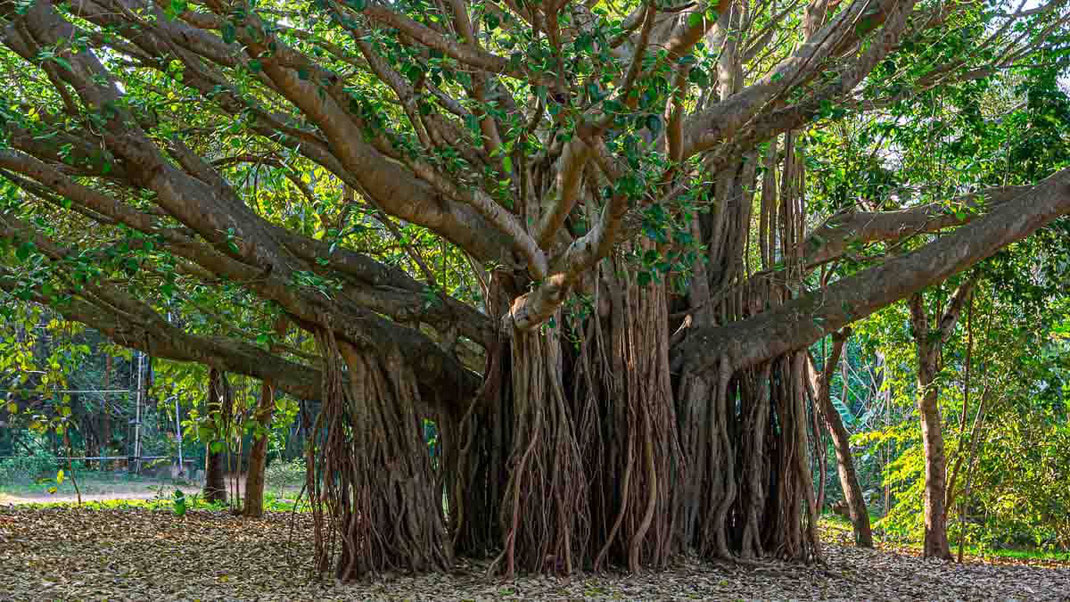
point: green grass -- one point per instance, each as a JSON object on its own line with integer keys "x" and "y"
{"x": 837, "y": 527}
{"x": 89, "y": 481}
{"x": 166, "y": 501}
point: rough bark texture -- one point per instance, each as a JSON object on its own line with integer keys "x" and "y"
{"x": 378, "y": 502}
{"x": 545, "y": 516}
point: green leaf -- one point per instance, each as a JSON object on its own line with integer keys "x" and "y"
{"x": 228, "y": 32}
{"x": 844, "y": 411}
{"x": 179, "y": 503}
{"x": 60, "y": 476}
{"x": 216, "y": 447}
{"x": 653, "y": 123}
{"x": 23, "y": 251}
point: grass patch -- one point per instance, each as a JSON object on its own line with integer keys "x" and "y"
{"x": 837, "y": 528}
{"x": 166, "y": 500}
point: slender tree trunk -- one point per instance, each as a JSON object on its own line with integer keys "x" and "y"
{"x": 265, "y": 408}
{"x": 852, "y": 491}
{"x": 936, "y": 543}
{"x": 929, "y": 343}
{"x": 254, "y": 477}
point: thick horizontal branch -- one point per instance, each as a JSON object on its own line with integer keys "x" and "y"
{"x": 166, "y": 341}
{"x": 801, "y": 322}
{"x": 832, "y": 239}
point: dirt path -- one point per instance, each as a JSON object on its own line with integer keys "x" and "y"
{"x": 66, "y": 553}
{"x": 101, "y": 491}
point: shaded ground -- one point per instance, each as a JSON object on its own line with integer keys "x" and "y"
{"x": 67, "y": 553}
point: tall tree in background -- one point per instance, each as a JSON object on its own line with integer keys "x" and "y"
{"x": 845, "y": 466}
{"x": 572, "y": 235}
{"x": 929, "y": 341}
{"x": 253, "y": 504}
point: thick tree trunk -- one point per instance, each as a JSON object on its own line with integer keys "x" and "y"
{"x": 841, "y": 442}
{"x": 545, "y": 513}
{"x": 644, "y": 459}
{"x": 215, "y": 487}
{"x": 373, "y": 471}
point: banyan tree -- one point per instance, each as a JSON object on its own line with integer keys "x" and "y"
{"x": 570, "y": 238}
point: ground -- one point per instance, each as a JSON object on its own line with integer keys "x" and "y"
{"x": 137, "y": 553}
{"x": 97, "y": 486}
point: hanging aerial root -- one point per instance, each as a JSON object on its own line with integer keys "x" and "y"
{"x": 373, "y": 468}
{"x": 545, "y": 516}
{"x": 642, "y": 533}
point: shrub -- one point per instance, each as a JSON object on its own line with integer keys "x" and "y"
{"x": 285, "y": 474}
{"x": 27, "y": 469}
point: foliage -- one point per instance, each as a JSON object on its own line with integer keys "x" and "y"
{"x": 281, "y": 473}
{"x": 24, "y": 469}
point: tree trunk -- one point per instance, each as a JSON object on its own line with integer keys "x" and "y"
{"x": 265, "y": 408}
{"x": 936, "y": 544}
{"x": 215, "y": 487}
{"x": 254, "y": 477}
{"x": 852, "y": 491}
{"x": 377, "y": 501}
{"x": 929, "y": 344}
{"x": 545, "y": 513}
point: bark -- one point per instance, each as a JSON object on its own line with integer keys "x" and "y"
{"x": 638, "y": 526}
{"x": 372, "y": 480}
{"x": 852, "y": 491}
{"x": 254, "y": 477}
{"x": 929, "y": 343}
{"x": 545, "y": 514}
{"x": 253, "y": 504}
{"x": 215, "y": 488}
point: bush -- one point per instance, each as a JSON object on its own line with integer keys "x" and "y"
{"x": 27, "y": 469}
{"x": 285, "y": 474}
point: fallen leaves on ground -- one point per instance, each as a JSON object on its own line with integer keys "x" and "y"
{"x": 138, "y": 554}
